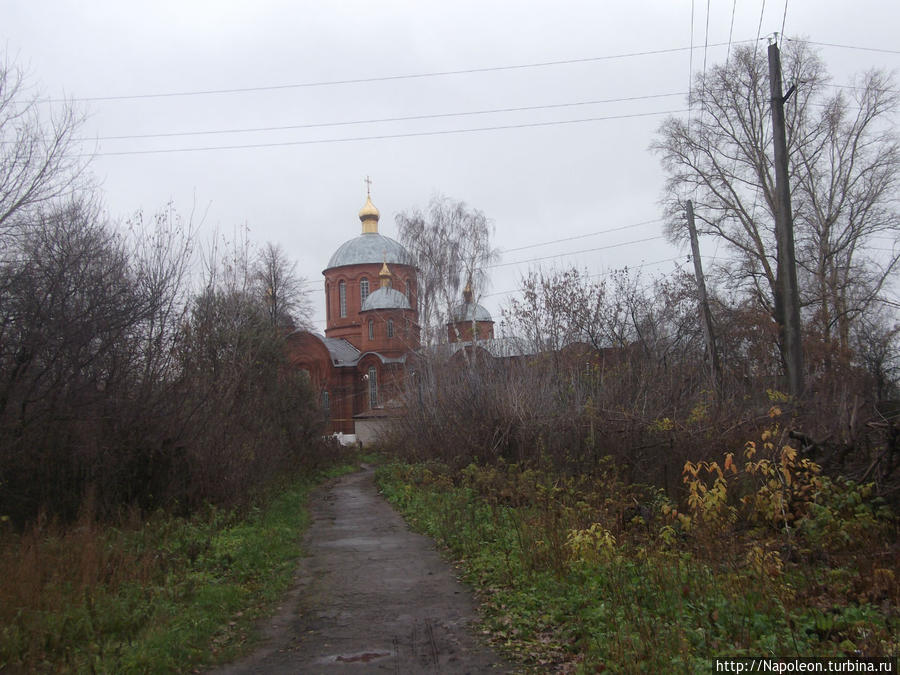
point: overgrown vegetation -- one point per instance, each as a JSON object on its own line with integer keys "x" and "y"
{"x": 581, "y": 573}
{"x": 606, "y": 502}
{"x": 149, "y": 593}
{"x": 120, "y": 383}
{"x": 147, "y": 416}
{"x": 624, "y": 501}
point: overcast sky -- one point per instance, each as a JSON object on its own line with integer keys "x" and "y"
{"x": 536, "y": 181}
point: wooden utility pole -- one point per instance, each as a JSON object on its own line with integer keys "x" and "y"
{"x": 707, "y": 322}
{"x": 787, "y": 304}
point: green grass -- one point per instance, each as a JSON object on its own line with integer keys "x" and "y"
{"x": 160, "y": 595}
{"x": 639, "y": 604}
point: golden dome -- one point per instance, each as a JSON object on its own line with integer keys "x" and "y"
{"x": 385, "y": 275}
{"x": 369, "y": 215}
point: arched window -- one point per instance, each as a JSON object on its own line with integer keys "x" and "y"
{"x": 373, "y": 387}
{"x": 342, "y": 291}
{"x": 390, "y": 328}
{"x": 327, "y": 302}
{"x": 371, "y": 329}
{"x": 363, "y": 290}
{"x": 326, "y": 403}
{"x": 409, "y": 292}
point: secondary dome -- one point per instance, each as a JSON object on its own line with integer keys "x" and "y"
{"x": 385, "y": 298}
{"x": 471, "y": 311}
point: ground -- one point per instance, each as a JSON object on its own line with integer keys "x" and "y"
{"x": 371, "y": 596}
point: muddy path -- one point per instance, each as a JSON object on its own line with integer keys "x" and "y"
{"x": 371, "y": 597}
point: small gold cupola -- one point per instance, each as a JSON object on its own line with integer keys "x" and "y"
{"x": 467, "y": 292}
{"x": 385, "y": 276}
{"x": 368, "y": 214}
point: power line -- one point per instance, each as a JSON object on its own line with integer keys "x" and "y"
{"x": 587, "y": 250}
{"x": 857, "y": 88}
{"x": 593, "y": 276}
{"x": 783, "y": 20}
{"x": 383, "y": 78}
{"x": 706, "y": 40}
{"x": 414, "y": 134}
{"x": 839, "y": 46}
{"x": 759, "y": 28}
{"x": 730, "y": 33}
{"x": 691, "y": 67}
{"x": 408, "y": 118}
{"x": 584, "y": 236}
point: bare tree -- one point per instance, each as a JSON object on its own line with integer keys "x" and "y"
{"x": 284, "y": 293}
{"x": 844, "y": 165}
{"x": 451, "y": 246}
{"x": 38, "y": 162}
{"x": 847, "y": 168}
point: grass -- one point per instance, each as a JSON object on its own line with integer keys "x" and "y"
{"x": 157, "y": 594}
{"x": 573, "y": 577}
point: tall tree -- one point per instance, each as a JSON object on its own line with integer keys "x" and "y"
{"x": 282, "y": 290}
{"x": 38, "y": 162}
{"x": 844, "y": 162}
{"x": 451, "y": 246}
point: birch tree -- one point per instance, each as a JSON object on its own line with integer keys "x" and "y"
{"x": 451, "y": 246}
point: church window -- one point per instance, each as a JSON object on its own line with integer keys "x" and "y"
{"x": 408, "y": 292}
{"x": 327, "y": 302}
{"x": 342, "y": 291}
{"x": 326, "y": 403}
{"x": 363, "y": 290}
{"x": 390, "y": 328}
{"x": 371, "y": 329}
{"x": 373, "y": 387}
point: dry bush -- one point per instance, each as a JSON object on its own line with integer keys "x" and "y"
{"x": 115, "y": 383}
{"x": 638, "y": 389}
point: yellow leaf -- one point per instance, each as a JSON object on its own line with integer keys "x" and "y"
{"x": 729, "y": 462}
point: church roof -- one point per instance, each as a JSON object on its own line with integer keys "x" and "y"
{"x": 370, "y": 247}
{"x": 503, "y": 347}
{"x": 385, "y": 298}
{"x": 342, "y": 353}
{"x": 470, "y": 311}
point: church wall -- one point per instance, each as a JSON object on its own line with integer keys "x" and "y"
{"x": 462, "y": 331}
{"x": 350, "y": 327}
{"x": 405, "y": 331}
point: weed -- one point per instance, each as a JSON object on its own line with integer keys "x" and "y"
{"x": 157, "y": 594}
{"x": 581, "y": 574}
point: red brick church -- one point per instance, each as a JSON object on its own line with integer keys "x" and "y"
{"x": 372, "y": 328}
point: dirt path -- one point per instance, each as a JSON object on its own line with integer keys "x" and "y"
{"x": 372, "y": 596}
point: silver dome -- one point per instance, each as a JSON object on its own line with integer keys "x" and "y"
{"x": 370, "y": 248}
{"x": 470, "y": 311}
{"x": 385, "y": 298}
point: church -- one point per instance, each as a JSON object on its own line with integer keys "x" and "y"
{"x": 360, "y": 365}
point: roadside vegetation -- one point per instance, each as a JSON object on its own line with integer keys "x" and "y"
{"x": 156, "y": 444}
{"x": 149, "y": 592}
{"x": 586, "y": 573}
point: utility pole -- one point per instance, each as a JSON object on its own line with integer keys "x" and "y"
{"x": 707, "y": 322}
{"x": 788, "y": 309}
